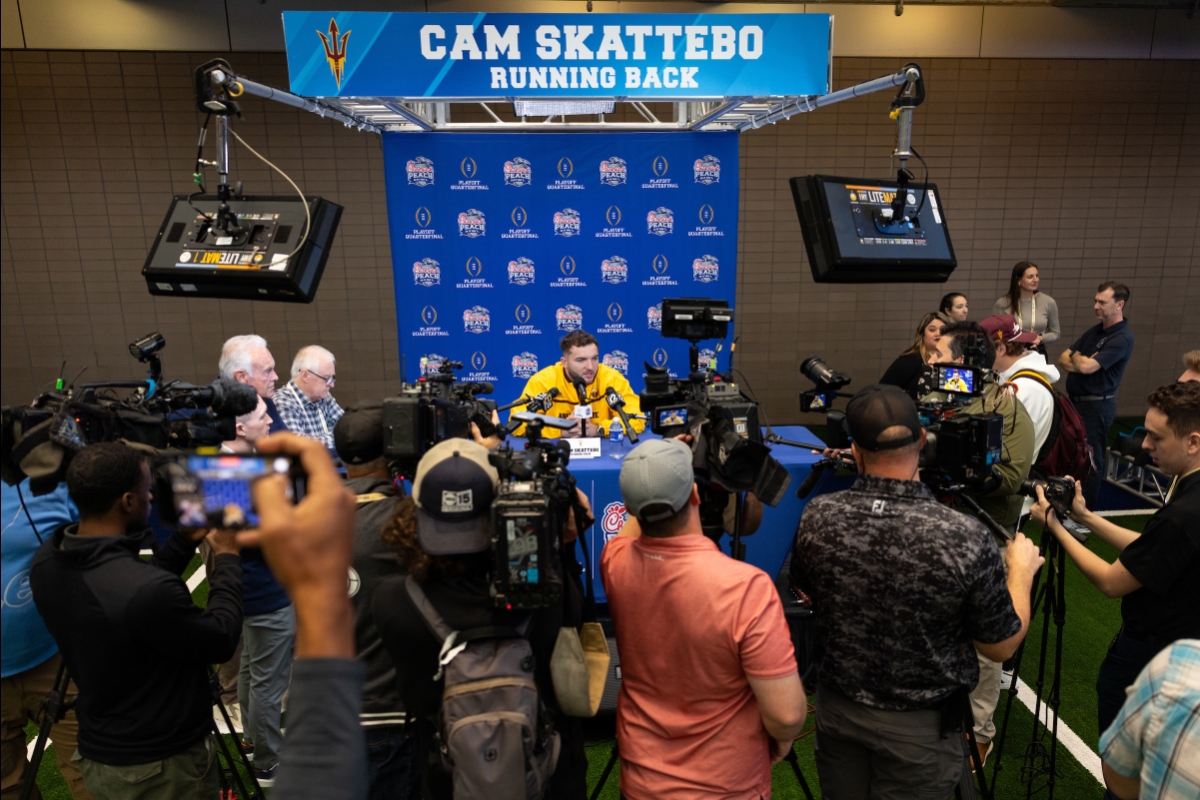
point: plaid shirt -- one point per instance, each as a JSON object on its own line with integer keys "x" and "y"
{"x": 1156, "y": 736}
{"x": 306, "y": 418}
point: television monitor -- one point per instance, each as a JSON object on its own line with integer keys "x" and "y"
{"x": 189, "y": 258}
{"x": 851, "y": 238}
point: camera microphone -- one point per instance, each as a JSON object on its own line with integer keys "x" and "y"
{"x": 228, "y": 398}
{"x": 617, "y": 403}
{"x": 480, "y": 387}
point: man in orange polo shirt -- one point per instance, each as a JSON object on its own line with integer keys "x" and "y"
{"x": 710, "y": 695}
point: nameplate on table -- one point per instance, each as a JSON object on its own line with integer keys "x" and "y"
{"x": 588, "y": 447}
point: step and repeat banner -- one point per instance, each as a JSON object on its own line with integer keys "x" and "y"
{"x": 504, "y": 243}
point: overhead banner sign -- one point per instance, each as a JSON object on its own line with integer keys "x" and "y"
{"x": 502, "y": 243}
{"x": 482, "y": 55}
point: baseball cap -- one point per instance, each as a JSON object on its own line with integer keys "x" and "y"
{"x": 454, "y": 489}
{"x": 1004, "y": 328}
{"x": 877, "y": 408}
{"x": 358, "y": 435}
{"x": 656, "y": 479}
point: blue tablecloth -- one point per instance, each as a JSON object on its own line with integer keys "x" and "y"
{"x": 765, "y": 549}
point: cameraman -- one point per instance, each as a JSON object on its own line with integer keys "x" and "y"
{"x": 358, "y": 439}
{"x": 582, "y": 382}
{"x": 448, "y": 553}
{"x": 904, "y": 591}
{"x": 1157, "y": 575}
{"x": 1002, "y": 503}
{"x": 136, "y": 645}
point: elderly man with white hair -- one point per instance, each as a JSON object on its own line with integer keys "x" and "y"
{"x": 305, "y": 404}
{"x": 247, "y": 360}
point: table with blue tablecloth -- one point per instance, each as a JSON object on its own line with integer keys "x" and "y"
{"x": 766, "y": 549}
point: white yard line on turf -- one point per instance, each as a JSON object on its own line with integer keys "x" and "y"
{"x": 197, "y": 578}
{"x": 32, "y": 744}
{"x": 1067, "y": 737}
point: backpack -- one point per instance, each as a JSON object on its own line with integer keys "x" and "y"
{"x": 1066, "y": 450}
{"x": 494, "y": 735}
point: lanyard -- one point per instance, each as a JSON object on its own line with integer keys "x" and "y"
{"x": 302, "y": 400}
{"x": 1032, "y": 313}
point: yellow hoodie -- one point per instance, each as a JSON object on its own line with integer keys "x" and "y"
{"x": 564, "y": 404}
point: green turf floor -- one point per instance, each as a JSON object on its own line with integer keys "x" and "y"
{"x": 1091, "y": 620}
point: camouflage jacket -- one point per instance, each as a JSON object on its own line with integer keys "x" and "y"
{"x": 900, "y": 585}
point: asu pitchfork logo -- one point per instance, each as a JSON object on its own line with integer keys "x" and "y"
{"x": 335, "y": 50}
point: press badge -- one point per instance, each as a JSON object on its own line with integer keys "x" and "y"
{"x": 582, "y": 412}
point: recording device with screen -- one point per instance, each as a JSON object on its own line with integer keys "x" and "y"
{"x": 955, "y": 379}
{"x": 853, "y": 233}
{"x": 273, "y": 250}
{"x": 199, "y": 490}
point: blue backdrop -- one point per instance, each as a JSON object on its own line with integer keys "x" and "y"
{"x": 502, "y": 243}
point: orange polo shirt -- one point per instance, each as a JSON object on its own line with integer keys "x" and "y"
{"x": 692, "y": 624}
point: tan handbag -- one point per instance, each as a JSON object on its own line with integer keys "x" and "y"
{"x": 579, "y": 668}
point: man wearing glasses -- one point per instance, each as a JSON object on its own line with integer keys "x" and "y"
{"x": 305, "y": 404}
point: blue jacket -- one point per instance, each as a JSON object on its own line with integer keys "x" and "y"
{"x": 26, "y": 642}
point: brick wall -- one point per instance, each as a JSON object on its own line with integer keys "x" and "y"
{"x": 1080, "y": 166}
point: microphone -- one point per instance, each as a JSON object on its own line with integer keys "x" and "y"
{"x": 617, "y": 403}
{"x": 581, "y": 391}
{"x": 228, "y": 398}
{"x": 542, "y": 402}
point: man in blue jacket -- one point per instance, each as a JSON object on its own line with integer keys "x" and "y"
{"x": 30, "y": 655}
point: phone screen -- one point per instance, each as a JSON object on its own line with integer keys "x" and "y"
{"x": 221, "y": 495}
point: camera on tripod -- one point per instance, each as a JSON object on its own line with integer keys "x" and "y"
{"x": 40, "y": 438}
{"x": 535, "y": 496}
{"x": 435, "y": 408}
{"x": 729, "y": 454}
{"x": 1059, "y": 492}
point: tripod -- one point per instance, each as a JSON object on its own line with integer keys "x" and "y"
{"x": 54, "y": 707}
{"x": 1039, "y": 759}
{"x": 229, "y": 772}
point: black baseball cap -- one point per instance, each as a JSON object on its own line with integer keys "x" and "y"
{"x": 454, "y": 488}
{"x": 877, "y": 408}
{"x": 358, "y": 435}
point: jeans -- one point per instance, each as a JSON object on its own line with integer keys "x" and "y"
{"x": 1125, "y": 660}
{"x": 263, "y": 678}
{"x": 1097, "y": 416}
{"x": 392, "y": 768}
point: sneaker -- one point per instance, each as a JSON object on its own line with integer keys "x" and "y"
{"x": 246, "y": 748}
{"x": 1080, "y": 532}
{"x": 985, "y": 750}
{"x": 265, "y": 777}
{"x": 1006, "y": 680}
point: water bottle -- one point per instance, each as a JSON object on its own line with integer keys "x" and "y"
{"x": 616, "y": 434}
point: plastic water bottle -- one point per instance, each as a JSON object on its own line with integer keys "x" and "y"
{"x": 616, "y": 434}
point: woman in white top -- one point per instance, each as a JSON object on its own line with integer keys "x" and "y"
{"x": 1035, "y": 311}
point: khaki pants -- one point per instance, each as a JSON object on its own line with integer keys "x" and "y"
{"x": 22, "y": 697}
{"x": 193, "y": 774}
{"x": 985, "y": 697}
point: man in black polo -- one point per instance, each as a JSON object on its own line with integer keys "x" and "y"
{"x": 905, "y": 590}
{"x": 1157, "y": 575}
{"x": 1094, "y": 365}
{"x": 358, "y": 438}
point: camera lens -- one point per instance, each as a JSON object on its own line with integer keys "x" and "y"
{"x": 817, "y": 371}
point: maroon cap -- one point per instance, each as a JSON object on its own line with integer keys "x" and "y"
{"x": 1004, "y": 328}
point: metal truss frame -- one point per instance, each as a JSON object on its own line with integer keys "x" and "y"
{"x": 406, "y": 114}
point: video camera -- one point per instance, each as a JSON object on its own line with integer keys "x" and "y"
{"x": 535, "y": 496}
{"x": 38, "y": 440}
{"x": 435, "y": 408}
{"x": 729, "y": 454}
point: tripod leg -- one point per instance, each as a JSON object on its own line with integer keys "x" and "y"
{"x": 975, "y": 761}
{"x": 215, "y": 685}
{"x": 54, "y": 708}
{"x": 1060, "y": 618}
{"x": 795, "y": 762}
{"x": 608, "y": 768}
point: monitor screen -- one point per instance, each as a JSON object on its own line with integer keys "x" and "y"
{"x": 852, "y": 235}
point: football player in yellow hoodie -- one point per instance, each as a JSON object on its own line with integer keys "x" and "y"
{"x": 580, "y": 367}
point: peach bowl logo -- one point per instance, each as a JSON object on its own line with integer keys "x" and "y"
{"x": 566, "y": 222}
{"x": 471, "y": 223}
{"x": 613, "y": 171}
{"x": 420, "y": 171}
{"x": 521, "y": 271}
{"x": 614, "y": 270}
{"x": 427, "y": 272}
{"x": 477, "y": 319}
{"x": 654, "y": 317}
{"x": 660, "y": 221}
{"x": 705, "y": 268}
{"x": 618, "y": 360}
{"x": 569, "y": 318}
{"x": 518, "y": 172}
{"x": 524, "y": 365}
{"x": 707, "y": 170}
